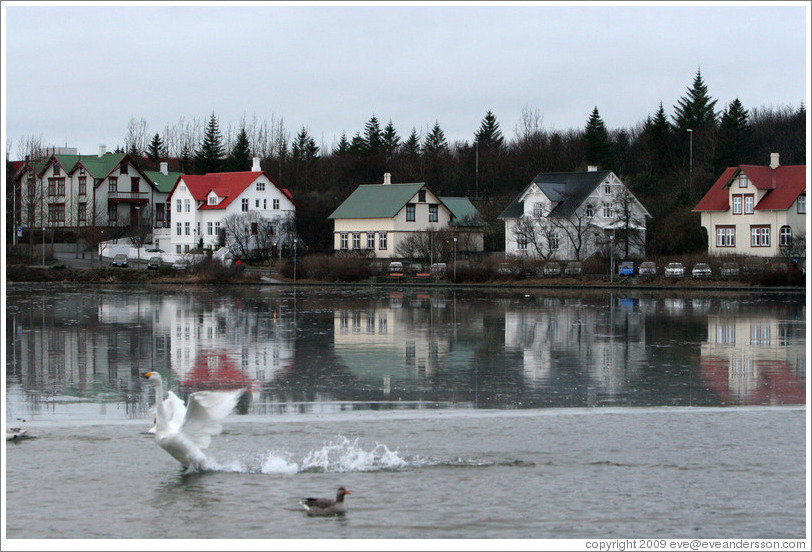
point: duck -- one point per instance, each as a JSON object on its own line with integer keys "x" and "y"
{"x": 326, "y": 506}
{"x": 184, "y": 431}
{"x": 16, "y": 434}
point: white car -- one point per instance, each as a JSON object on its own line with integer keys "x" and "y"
{"x": 702, "y": 270}
{"x": 675, "y": 270}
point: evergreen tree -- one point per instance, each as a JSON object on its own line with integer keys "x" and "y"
{"x": 411, "y": 147}
{"x": 695, "y": 110}
{"x": 734, "y": 145}
{"x": 358, "y": 146}
{"x": 373, "y": 137}
{"x": 390, "y": 138}
{"x": 657, "y": 144}
{"x": 209, "y": 157}
{"x": 239, "y": 158}
{"x": 489, "y": 136}
{"x": 435, "y": 142}
{"x": 304, "y": 148}
{"x": 186, "y": 162}
{"x": 156, "y": 151}
{"x": 343, "y": 147}
{"x": 596, "y": 142}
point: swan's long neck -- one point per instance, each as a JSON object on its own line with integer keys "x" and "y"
{"x": 160, "y": 413}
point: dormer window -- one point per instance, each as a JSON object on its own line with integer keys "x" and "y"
{"x": 212, "y": 199}
{"x": 421, "y": 196}
{"x": 742, "y": 180}
{"x": 607, "y": 189}
{"x": 81, "y": 171}
{"x": 538, "y": 210}
{"x": 56, "y": 169}
{"x": 124, "y": 168}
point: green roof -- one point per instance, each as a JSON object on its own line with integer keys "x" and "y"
{"x": 164, "y": 182}
{"x": 100, "y": 167}
{"x": 67, "y": 162}
{"x": 465, "y": 214}
{"x": 376, "y": 201}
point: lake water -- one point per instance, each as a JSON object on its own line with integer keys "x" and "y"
{"x": 468, "y": 413}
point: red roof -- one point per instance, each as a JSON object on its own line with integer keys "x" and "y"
{"x": 228, "y": 186}
{"x": 783, "y": 185}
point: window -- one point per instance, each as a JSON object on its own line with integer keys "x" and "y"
{"x": 760, "y": 236}
{"x": 82, "y": 185}
{"x": 343, "y": 244}
{"x": 56, "y": 212}
{"x": 421, "y": 196}
{"x": 160, "y": 212}
{"x": 178, "y": 250}
{"x": 802, "y": 204}
{"x": 590, "y": 211}
{"x": 187, "y": 205}
{"x": 737, "y": 204}
{"x": 370, "y": 240}
{"x": 538, "y": 210}
{"x": 264, "y": 204}
{"x": 382, "y": 243}
{"x": 725, "y": 236}
{"x": 410, "y": 212}
{"x": 260, "y": 186}
{"x": 56, "y": 186}
{"x": 742, "y": 180}
{"x": 81, "y": 171}
{"x": 554, "y": 244}
{"x": 433, "y": 213}
{"x": 607, "y": 189}
{"x": 82, "y": 213}
{"x": 276, "y": 204}
{"x": 209, "y": 228}
{"x": 56, "y": 169}
{"x": 180, "y": 204}
{"x": 256, "y": 203}
{"x": 124, "y": 168}
{"x": 179, "y": 229}
{"x": 112, "y": 214}
{"x": 785, "y": 236}
{"x": 212, "y": 200}
{"x": 749, "y": 201}
{"x": 135, "y": 182}
{"x": 356, "y": 240}
{"x": 113, "y": 184}
{"x": 245, "y": 205}
{"x": 187, "y": 229}
{"x": 521, "y": 243}
{"x": 607, "y": 210}
{"x": 254, "y": 228}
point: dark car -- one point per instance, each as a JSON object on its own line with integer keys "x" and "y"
{"x": 120, "y": 260}
{"x": 154, "y": 262}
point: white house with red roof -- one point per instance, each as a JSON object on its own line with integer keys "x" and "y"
{"x": 755, "y": 210}
{"x": 202, "y": 207}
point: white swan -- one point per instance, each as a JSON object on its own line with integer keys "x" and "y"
{"x": 183, "y": 431}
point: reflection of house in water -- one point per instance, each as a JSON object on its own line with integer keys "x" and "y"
{"x": 562, "y": 338}
{"x": 756, "y": 359}
{"x": 385, "y": 343}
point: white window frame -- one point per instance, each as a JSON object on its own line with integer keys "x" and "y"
{"x": 749, "y": 204}
{"x": 737, "y": 204}
{"x": 343, "y": 241}
{"x": 742, "y": 180}
{"x": 383, "y": 242}
{"x": 356, "y": 240}
{"x": 785, "y": 236}
{"x": 759, "y": 236}
{"x": 245, "y": 205}
{"x": 725, "y": 236}
{"x": 370, "y": 240}
{"x": 260, "y": 186}
{"x": 801, "y": 204}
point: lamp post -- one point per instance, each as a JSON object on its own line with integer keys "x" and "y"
{"x": 455, "y": 259}
{"x": 612, "y": 257}
{"x": 138, "y": 231}
{"x": 691, "y": 151}
{"x": 43, "y": 245}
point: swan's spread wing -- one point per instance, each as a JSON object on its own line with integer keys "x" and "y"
{"x": 205, "y": 411}
{"x": 174, "y": 408}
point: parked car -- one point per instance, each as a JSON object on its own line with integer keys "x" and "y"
{"x": 730, "y": 270}
{"x": 552, "y": 269}
{"x": 438, "y": 269}
{"x": 155, "y": 250}
{"x": 154, "y": 262}
{"x": 181, "y": 264}
{"x": 573, "y": 269}
{"x": 626, "y": 268}
{"x": 120, "y": 260}
{"x": 675, "y": 270}
{"x": 395, "y": 269}
{"x": 701, "y": 270}
{"x": 505, "y": 269}
{"x": 647, "y": 269}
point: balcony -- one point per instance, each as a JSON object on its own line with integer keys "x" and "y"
{"x": 127, "y": 197}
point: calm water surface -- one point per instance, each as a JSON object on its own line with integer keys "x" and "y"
{"x": 449, "y": 414}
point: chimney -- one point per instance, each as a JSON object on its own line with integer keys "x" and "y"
{"x": 164, "y": 167}
{"x": 255, "y": 167}
{"x": 102, "y": 150}
{"x": 773, "y": 161}
{"x": 592, "y": 168}
{"x": 387, "y": 178}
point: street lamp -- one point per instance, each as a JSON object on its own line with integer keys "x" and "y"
{"x": 138, "y": 230}
{"x": 691, "y": 155}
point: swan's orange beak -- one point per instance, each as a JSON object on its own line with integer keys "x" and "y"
{"x": 347, "y": 492}
{"x": 147, "y": 375}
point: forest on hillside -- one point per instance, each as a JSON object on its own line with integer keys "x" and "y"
{"x": 668, "y": 160}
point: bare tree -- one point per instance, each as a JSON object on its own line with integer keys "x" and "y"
{"x": 137, "y": 138}
{"x": 629, "y": 225}
{"x": 539, "y": 233}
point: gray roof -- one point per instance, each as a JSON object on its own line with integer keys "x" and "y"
{"x": 567, "y": 190}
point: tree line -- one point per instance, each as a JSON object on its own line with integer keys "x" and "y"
{"x": 668, "y": 161}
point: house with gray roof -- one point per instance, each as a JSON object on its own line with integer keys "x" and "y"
{"x": 382, "y": 219}
{"x": 572, "y": 215}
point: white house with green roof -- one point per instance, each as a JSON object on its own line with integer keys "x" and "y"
{"x": 107, "y": 190}
{"x": 378, "y": 219}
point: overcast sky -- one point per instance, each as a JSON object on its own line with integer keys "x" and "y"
{"x": 76, "y": 75}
